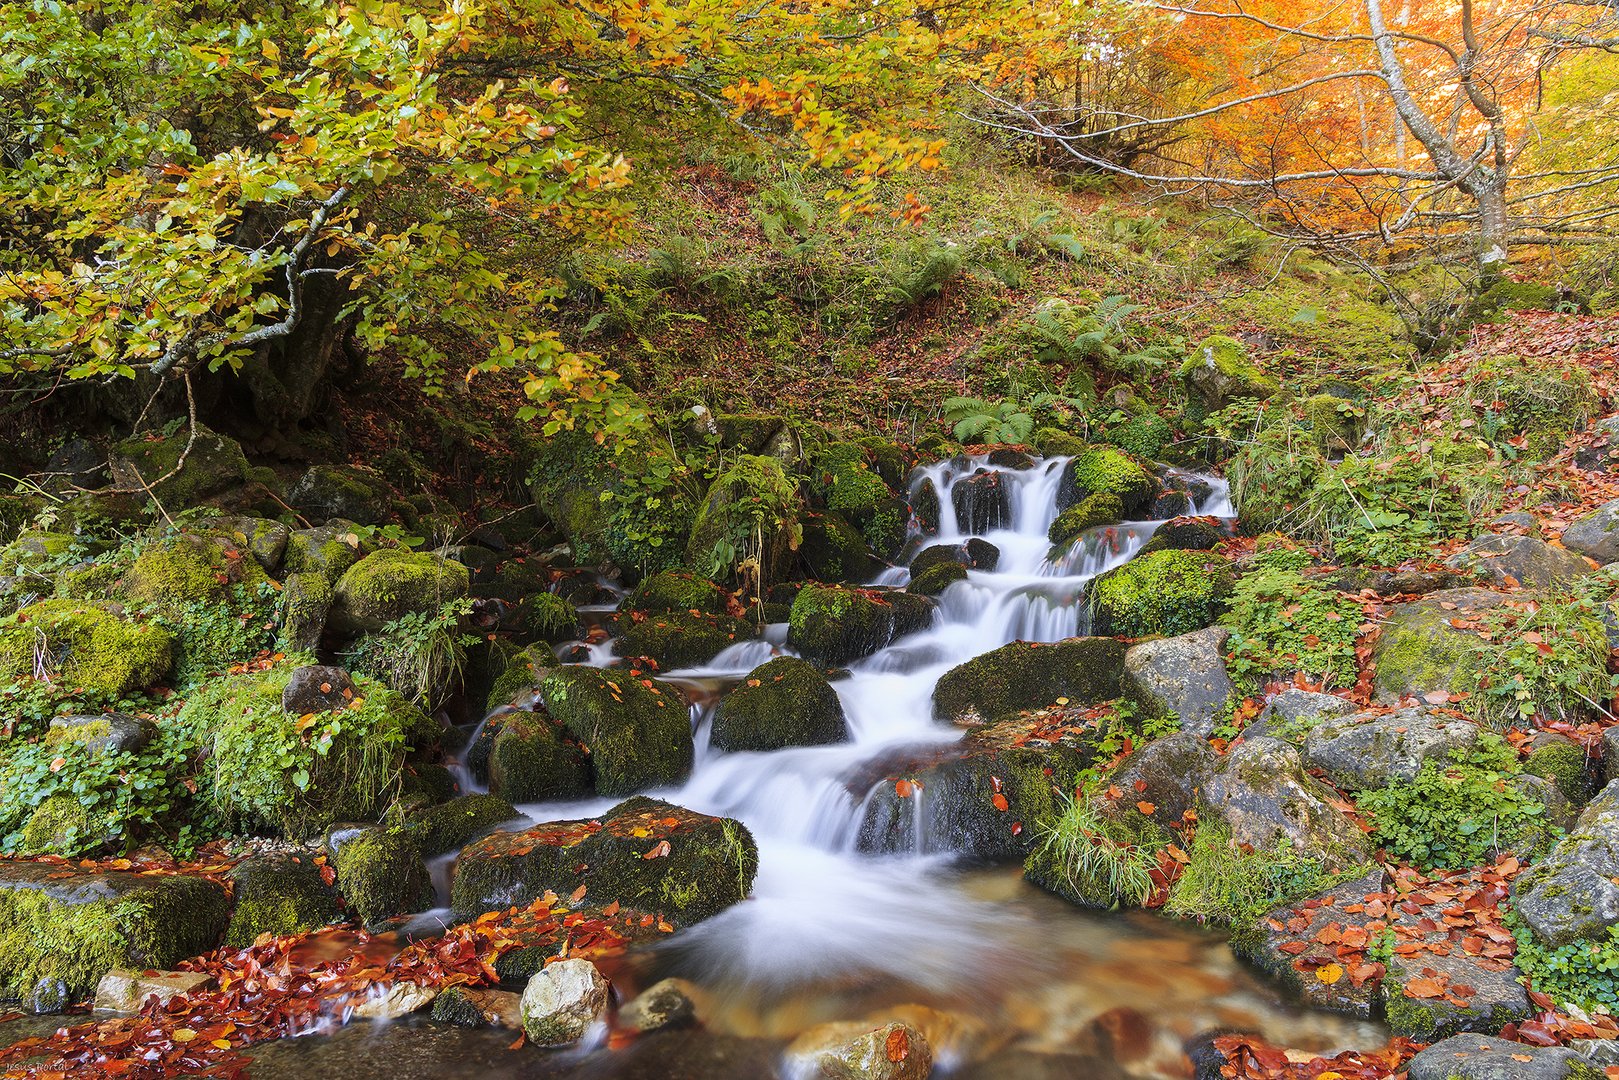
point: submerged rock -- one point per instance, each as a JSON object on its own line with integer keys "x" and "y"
{"x": 677, "y": 640}
{"x": 856, "y": 1051}
{"x": 1026, "y": 675}
{"x": 644, "y": 853}
{"x": 785, "y": 702}
{"x": 660, "y": 1007}
{"x": 474, "y": 1006}
{"x": 562, "y": 1001}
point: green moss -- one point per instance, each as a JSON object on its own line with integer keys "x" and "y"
{"x": 1026, "y": 675}
{"x": 381, "y": 874}
{"x": 674, "y": 640}
{"x": 548, "y": 617}
{"x": 847, "y": 483}
{"x": 674, "y": 591}
{"x": 937, "y": 578}
{"x": 834, "y": 550}
{"x": 1144, "y": 436}
{"x": 749, "y": 519}
{"x": 392, "y": 583}
{"x": 306, "y": 598}
{"x": 1162, "y": 592}
{"x": 1105, "y": 471}
{"x": 60, "y": 823}
{"x": 279, "y": 895}
{"x": 328, "y": 550}
{"x": 1334, "y": 422}
{"x": 33, "y": 551}
{"x": 532, "y": 760}
{"x": 785, "y": 702}
{"x": 214, "y": 464}
{"x": 1053, "y": 442}
{"x": 1218, "y": 370}
{"x": 637, "y": 736}
{"x": 272, "y": 770}
{"x": 89, "y": 581}
{"x": 341, "y": 491}
{"x": 522, "y": 672}
{"x": 189, "y": 569}
{"x": 1515, "y": 296}
{"x": 1564, "y": 764}
{"x": 69, "y": 929}
{"x": 1102, "y": 509}
{"x": 889, "y": 528}
{"x": 454, "y": 824}
{"x": 835, "y": 625}
{"x": 87, "y": 646}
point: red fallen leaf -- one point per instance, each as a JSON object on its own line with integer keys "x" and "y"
{"x": 898, "y": 1045}
{"x": 903, "y": 788}
{"x": 1140, "y": 786}
{"x": 1535, "y": 1033}
{"x": 577, "y": 895}
{"x": 1293, "y": 948}
{"x": 611, "y": 909}
{"x": 1017, "y": 828}
{"x": 521, "y": 1038}
{"x": 1113, "y": 792}
{"x": 1422, "y": 988}
{"x": 658, "y": 851}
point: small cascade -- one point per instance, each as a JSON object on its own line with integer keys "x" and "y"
{"x": 805, "y": 805}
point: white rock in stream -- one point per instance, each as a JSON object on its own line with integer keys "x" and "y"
{"x": 561, "y": 1002}
{"x": 400, "y": 999}
{"x": 854, "y": 1051}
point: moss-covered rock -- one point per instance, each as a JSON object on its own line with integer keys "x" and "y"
{"x": 1090, "y": 513}
{"x": 936, "y": 579}
{"x": 1335, "y": 423}
{"x": 392, "y": 583}
{"x": 834, "y": 625}
{"x": 752, "y": 512}
{"x": 521, "y": 676}
{"x": 1161, "y": 592}
{"x": 1565, "y": 763}
{"x": 982, "y": 501}
{"x": 1186, "y": 534}
{"x": 380, "y": 873}
{"x": 532, "y": 759}
{"x": 34, "y": 551}
{"x": 548, "y": 617}
{"x": 644, "y": 854}
{"x": 785, "y": 702}
{"x": 350, "y": 492}
{"x": 834, "y": 550}
{"x": 190, "y": 568}
{"x": 306, "y": 600}
{"x": 637, "y": 733}
{"x": 456, "y": 823}
{"x": 89, "y": 645}
{"x": 265, "y": 538}
{"x": 1218, "y": 372}
{"x": 299, "y": 774}
{"x": 65, "y": 928}
{"x": 279, "y": 894}
{"x": 1106, "y": 471}
{"x": 843, "y": 476}
{"x": 1054, "y": 442}
{"x": 1026, "y": 675}
{"x": 328, "y": 550}
{"x": 984, "y": 798}
{"x": 1526, "y": 296}
{"x": 62, "y": 824}
{"x": 215, "y": 464}
{"x": 939, "y": 555}
{"x": 1419, "y": 651}
{"x": 674, "y": 640}
{"x": 680, "y": 592}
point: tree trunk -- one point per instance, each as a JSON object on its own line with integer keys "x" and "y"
{"x": 1494, "y": 227}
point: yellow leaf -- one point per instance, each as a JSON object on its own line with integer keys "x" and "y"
{"x": 271, "y": 51}
{"x": 1330, "y": 973}
{"x": 183, "y": 1035}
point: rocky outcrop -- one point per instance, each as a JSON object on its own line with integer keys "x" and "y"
{"x": 1484, "y": 1057}
{"x": 1026, "y": 675}
{"x": 1182, "y": 677}
{"x": 1596, "y": 535}
{"x": 1369, "y": 750}
{"x": 1573, "y": 893}
{"x": 1518, "y": 560}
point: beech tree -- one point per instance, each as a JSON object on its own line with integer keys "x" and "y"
{"x": 1345, "y": 124}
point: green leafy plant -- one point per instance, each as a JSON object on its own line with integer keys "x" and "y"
{"x": 1233, "y": 884}
{"x": 1583, "y": 973}
{"x": 1006, "y": 421}
{"x": 1118, "y": 728}
{"x": 1283, "y": 622}
{"x": 420, "y": 655}
{"x": 1455, "y": 815}
{"x": 1096, "y": 858}
{"x": 1546, "y": 661}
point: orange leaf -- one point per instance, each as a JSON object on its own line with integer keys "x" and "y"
{"x": 1145, "y": 807}
{"x": 1000, "y": 803}
{"x": 903, "y": 788}
{"x": 898, "y": 1045}
{"x": 658, "y": 851}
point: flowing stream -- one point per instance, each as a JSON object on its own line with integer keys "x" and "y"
{"x": 1000, "y": 968}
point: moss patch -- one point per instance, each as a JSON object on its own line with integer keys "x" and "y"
{"x": 637, "y": 735}
{"x": 391, "y": 583}
{"x": 380, "y": 873}
{"x": 785, "y": 702}
{"x": 86, "y": 645}
{"x": 835, "y": 625}
{"x": 1025, "y": 675}
{"x": 1162, "y": 592}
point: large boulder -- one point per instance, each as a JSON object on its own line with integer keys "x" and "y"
{"x": 449, "y": 826}
{"x": 1371, "y": 749}
{"x": 1264, "y": 795}
{"x": 1573, "y": 893}
{"x": 1026, "y": 675}
{"x": 833, "y": 550}
{"x": 280, "y": 893}
{"x": 1421, "y": 650}
{"x": 530, "y": 757}
{"x": 644, "y": 854}
{"x": 672, "y": 640}
{"x": 785, "y": 702}
{"x": 380, "y": 872}
{"x": 834, "y": 625}
{"x": 214, "y": 464}
{"x": 1271, "y": 944}
{"x": 1502, "y": 559}
{"x": 1182, "y": 677}
{"x": 1290, "y": 714}
{"x": 392, "y": 583}
{"x": 326, "y": 550}
{"x": 89, "y": 645}
{"x": 1596, "y": 535}
{"x": 1160, "y": 592}
{"x": 1484, "y": 1057}
{"x": 62, "y": 929}
{"x": 1218, "y": 371}
{"x": 563, "y": 1001}
{"x": 752, "y": 510}
{"x": 190, "y": 568}
{"x": 636, "y": 732}
{"x": 982, "y": 501}
{"x": 1105, "y": 471}
{"x": 984, "y": 798}
{"x": 350, "y": 492}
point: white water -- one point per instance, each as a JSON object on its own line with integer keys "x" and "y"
{"x": 820, "y": 909}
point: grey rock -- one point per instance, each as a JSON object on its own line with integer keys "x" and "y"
{"x": 562, "y": 1001}
{"x": 1500, "y": 999}
{"x": 1264, "y": 796}
{"x": 1603, "y": 453}
{"x": 1412, "y": 582}
{"x": 1523, "y": 559}
{"x": 1483, "y": 1057}
{"x": 105, "y": 732}
{"x": 1293, "y": 709}
{"x": 1519, "y": 521}
{"x": 1596, "y": 534}
{"x": 1172, "y": 771}
{"x": 859, "y": 1051}
{"x": 666, "y": 1004}
{"x": 1262, "y": 945}
{"x": 1420, "y": 651}
{"x": 1368, "y": 750}
{"x": 1610, "y": 755}
{"x": 1571, "y": 894}
{"x": 1183, "y": 677}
